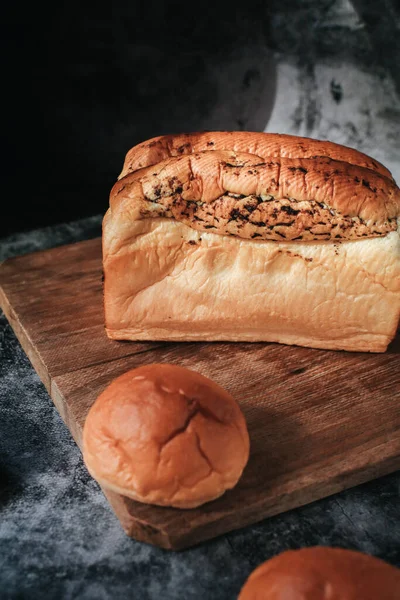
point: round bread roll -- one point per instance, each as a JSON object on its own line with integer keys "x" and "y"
{"x": 166, "y": 435}
{"x": 323, "y": 573}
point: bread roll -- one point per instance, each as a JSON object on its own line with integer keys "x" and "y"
{"x": 166, "y": 435}
{"x": 227, "y": 245}
{"x": 323, "y": 573}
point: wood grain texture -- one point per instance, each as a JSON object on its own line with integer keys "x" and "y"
{"x": 319, "y": 421}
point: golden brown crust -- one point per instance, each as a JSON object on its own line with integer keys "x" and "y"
{"x": 166, "y": 435}
{"x": 320, "y": 573}
{"x": 279, "y": 199}
{"x": 264, "y": 145}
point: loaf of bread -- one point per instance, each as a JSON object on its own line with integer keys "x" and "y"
{"x": 248, "y": 236}
{"x": 320, "y": 573}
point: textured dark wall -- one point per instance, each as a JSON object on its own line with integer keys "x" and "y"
{"x": 85, "y": 84}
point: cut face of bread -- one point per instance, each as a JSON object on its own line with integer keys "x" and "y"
{"x": 227, "y": 245}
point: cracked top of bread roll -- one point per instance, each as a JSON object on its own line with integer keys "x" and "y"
{"x": 166, "y": 435}
{"x": 322, "y": 573}
{"x": 267, "y": 198}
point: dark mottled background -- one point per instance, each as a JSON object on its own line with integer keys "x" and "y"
{"x": 86, "y": 81}
{"x": 83, "y": 83}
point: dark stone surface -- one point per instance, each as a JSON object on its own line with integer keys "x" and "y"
{"x": 60, "y": 539}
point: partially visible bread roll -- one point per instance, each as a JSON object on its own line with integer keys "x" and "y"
{"x": 231, "y": 244}
{"x": 166, "y": 435}
{"x": 323, "y": 573}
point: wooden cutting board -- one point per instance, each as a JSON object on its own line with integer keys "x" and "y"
{"x": 319, "y": 421}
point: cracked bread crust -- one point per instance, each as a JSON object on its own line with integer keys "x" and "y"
{"x": 242, "y": 195}
{"x": 166, "y": 435}
{"x": 265, "y": 145}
